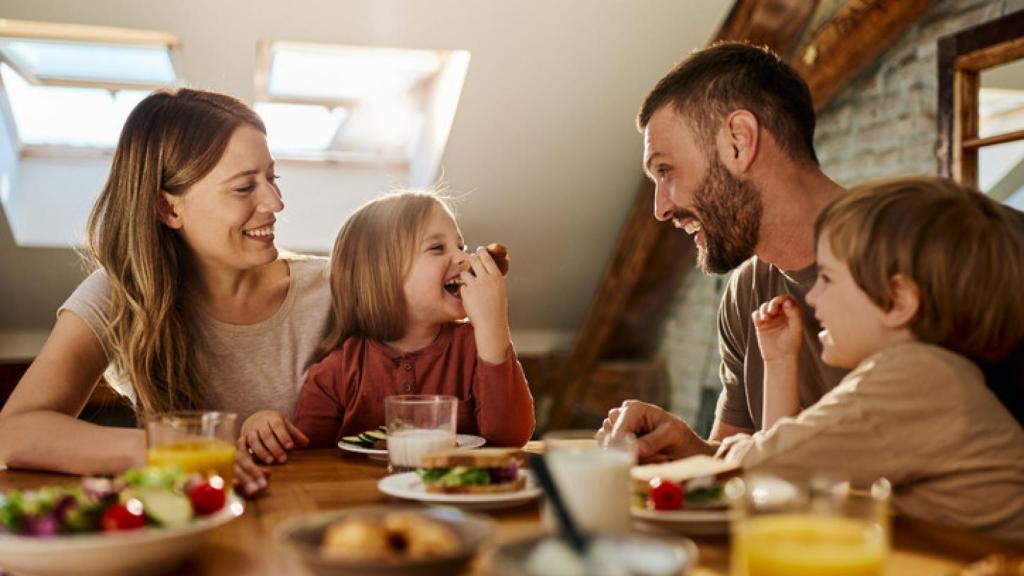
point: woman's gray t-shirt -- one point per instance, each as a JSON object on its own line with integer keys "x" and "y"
{"x": 247, "y": 368}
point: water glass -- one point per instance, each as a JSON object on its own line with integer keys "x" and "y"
{"x": 418, "y": 424}
{"x": 593, "y": 479}
{"x": 816, "y": 527}
{"x": 195, "y": 441}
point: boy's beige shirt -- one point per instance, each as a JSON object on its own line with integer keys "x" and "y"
{"x": 920, "y": 416}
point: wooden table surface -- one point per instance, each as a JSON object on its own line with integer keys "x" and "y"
{"x": 316, "y": 480}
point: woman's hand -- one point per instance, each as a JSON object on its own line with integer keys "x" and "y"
{"x": 485, "y": 299}
{"x": 250, "y": 478}
{"x": 780, "y": 329}
{"x": 269, "y": 436}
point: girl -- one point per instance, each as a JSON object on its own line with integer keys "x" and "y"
{"x": 188, "y": 294}
{"x": 400, "y": 282}
{"x": 917, "y": 277}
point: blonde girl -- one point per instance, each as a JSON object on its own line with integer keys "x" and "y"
{"x": 401, "y": 284}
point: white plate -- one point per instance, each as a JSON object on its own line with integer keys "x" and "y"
{"x": 409, "y": 486}
{"x": 697, "y": 522}
{"x": 143, "y": 551}
{"x": 466, "y": 441}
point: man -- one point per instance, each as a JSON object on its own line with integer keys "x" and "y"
{"x": 728, "y": 142}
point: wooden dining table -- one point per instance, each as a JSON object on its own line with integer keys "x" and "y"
{"x": 317, "y": 480}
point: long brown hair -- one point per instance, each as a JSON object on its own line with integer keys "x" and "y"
{"x": 170, "y": 141}
{"x": 371, "y": 257}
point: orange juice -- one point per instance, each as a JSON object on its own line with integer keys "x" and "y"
{"x": 205, "y": 456}
{"x": 807, "y": 545}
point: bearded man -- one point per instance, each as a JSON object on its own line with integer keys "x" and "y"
{"x": 728, "y": 143}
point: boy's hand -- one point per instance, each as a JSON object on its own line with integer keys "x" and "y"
{"x": 485, "y": 300}
{"x": 250, "y": 478}
{"x": 780, "y": 328}
{"x": 268, "y": 436}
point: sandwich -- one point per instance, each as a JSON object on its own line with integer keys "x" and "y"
{"x": 483, "y": 471}
{"x": 696, "y": 482}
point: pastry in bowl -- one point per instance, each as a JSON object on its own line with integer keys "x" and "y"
{"x": 385, "y": 540}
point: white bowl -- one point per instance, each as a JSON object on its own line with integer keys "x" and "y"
{"x": 302, "y": 536}
{"x": 633, "y": 554}
{"x": 144, "y": 551}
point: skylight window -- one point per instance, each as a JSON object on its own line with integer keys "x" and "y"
{"x": 73, "y": 86}
{"x": 355, "y": 103}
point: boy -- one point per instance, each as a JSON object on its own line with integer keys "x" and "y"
{"x": 916, "y": 278}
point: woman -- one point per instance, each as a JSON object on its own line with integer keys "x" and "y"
{"x": 191, "y": 303}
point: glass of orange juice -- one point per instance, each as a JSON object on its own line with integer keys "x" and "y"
{"x": 196, "y": 441}
{"x": 816, "y": 528}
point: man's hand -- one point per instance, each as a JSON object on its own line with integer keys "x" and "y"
{"x": 269, "y": 436}
{"x": 661, "y": 436}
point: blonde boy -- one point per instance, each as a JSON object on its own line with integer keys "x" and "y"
{"x": 915, "y": 276}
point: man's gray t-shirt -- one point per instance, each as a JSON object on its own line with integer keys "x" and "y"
{"x": 742, "y": 372}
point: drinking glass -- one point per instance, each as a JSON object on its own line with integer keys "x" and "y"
{"x": 196, "y": 441}
{"x": 817, "y": 527}
{"x": 593, "y": 479}
{"x": 418, "y": 424}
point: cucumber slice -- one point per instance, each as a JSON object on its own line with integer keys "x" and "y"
{"x": 352, "y": 439}
{"x": 164, "y": 507}
{"x": 376, "y": 434}
{"x": 383, "y": 429}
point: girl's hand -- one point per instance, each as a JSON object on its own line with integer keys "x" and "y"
{"x": 250, "y": 478}
{"x": 485, "y": 300}
{"x": 780, "y": 328}
{"x": 268, "y": 436}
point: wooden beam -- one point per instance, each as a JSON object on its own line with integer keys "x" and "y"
{"x": 636, "y": 242}
{"x": 858, "y": 32}
{"x": 638, "y": 334}
{"x": 777, "y": 24}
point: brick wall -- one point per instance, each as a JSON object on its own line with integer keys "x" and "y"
{"x": 882, "y": 124}
{"x": 690, "y": 342}
{"x": 885, "y": 122}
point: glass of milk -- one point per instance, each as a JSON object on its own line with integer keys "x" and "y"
{"x": 418, "y": 424}
{"x": 592, "y": 479}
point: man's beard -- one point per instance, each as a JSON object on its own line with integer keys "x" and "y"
{"x": 730, "y": 216}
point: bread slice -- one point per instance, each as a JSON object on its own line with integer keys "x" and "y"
{"x": 680, "y": 471}
{"x": 479, "y": 458}
{"x": 518, "y": 484}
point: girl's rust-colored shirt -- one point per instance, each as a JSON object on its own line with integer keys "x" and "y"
{"x": 344, "y": 393}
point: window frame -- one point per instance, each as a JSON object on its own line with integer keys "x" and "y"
{"x": 261, "y": 94}
{"x": 64, "y": 32}
{"x": 962, "y": 57}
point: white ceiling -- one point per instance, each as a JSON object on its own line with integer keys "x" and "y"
{"x": 543, "y": 141}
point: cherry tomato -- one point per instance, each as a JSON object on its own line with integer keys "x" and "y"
{"x": 666, "y": 495}
{"x": 127, "y": 516}
{"x": 208, "y": 497}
